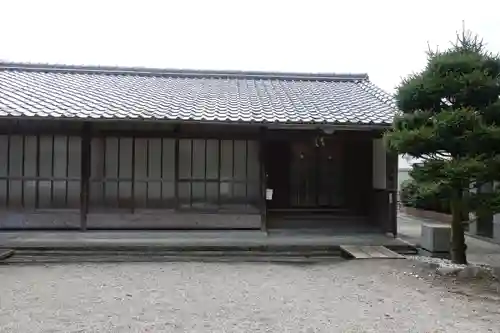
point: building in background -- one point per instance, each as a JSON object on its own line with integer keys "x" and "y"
{"x": 404, "y": 168}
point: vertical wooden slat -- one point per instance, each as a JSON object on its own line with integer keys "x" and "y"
{"x": 162, "y": 180}
{"x": 7, "y": 184}
{"x": 132, "y": 185}
{"x": 67, "y": 171}
{"x": 37, "y": 182}
{"x": 146, "y": 193}
{"x": 219, "y": 164}
{"x": 317, "y": 169}
{"x": 246, "y": 170}
{"x": 52, "y": 167}
{"x": 23, "y": 158}
{"x": 118, "y": 159}
{"x": 232, "y": 170}
{"x": 104, "y": 169}
{"x": 85, "y": 175}
{"x": 191, "y": 141}
{"x": 205, "y": 172}
{"x": 176, "y": 167}
{"x": 263, "y": 177}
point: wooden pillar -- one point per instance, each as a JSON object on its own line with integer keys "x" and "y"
{"x": 379, "y": 184}
{"x": 85, "y": 175}
{"x": 384, "y": 202}
{"x": 392, "y": 192}
{"x": 263, "y": 177}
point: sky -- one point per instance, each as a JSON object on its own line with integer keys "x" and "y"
{"x": 386, "y": 39}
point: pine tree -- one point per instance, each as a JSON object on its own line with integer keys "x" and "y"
{"x": 450, "y": 120}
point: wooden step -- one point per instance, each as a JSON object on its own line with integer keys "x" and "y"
{"x": 5, "y": 254}
{"x": 282, "y": 255}
{"x": 336, "y": 223}
{"x": 320, "y": 217}
{"x": 370, "y": 252}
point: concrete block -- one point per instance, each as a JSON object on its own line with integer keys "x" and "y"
{"x": 435, "y": 237}
{"x": 473, "y": 228}
{"x": 496, "y": 272}
{"x": 440, "y": 255}
{"x": 496, "y": 227}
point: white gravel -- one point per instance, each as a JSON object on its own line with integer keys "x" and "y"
{"x": 349, "y": 296}
{"x": 447, "y": 264}
{"x": 436, "y": 261}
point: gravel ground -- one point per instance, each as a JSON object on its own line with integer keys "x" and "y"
{"x": 347, "y": 296}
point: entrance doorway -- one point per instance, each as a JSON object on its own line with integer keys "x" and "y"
{"x": 306, "y": 175}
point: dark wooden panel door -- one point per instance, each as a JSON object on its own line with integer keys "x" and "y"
{"x": 303, "y": 175}
{"x": 331, "y": 186}
{"x": 277, "y": 173}
{"x": 316, "y": 175}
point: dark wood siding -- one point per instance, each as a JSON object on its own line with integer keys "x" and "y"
{"x": 144, "y": 175}
{"x": 39, "y": 171}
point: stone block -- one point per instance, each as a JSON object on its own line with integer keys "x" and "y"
{"x": 470, "y": 272}
{"x": 477, "y": 272}
{"x": 448, "y": 270}
{"x": 435, "y": 237}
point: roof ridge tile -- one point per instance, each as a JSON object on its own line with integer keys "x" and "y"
{"x": 188, "y": 73}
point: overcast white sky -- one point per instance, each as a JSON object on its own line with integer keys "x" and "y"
{"x": 386, "y": 39}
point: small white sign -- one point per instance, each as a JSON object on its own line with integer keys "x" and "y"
{"x": 269, "y": 194}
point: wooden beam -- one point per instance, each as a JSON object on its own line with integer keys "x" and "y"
{"x": 85, "y": 175}
{"x": 177, "y": 134}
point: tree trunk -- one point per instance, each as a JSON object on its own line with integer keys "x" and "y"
{"x": 458, "y": 246}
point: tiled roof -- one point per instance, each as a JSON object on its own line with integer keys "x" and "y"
{"x": 28, "y": 90}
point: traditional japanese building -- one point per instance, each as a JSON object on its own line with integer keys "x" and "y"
{"x": 137, "y": 148}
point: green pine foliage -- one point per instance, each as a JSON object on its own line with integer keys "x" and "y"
{"x": 424, "y": 196}
{"x": 450, "y": 119}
